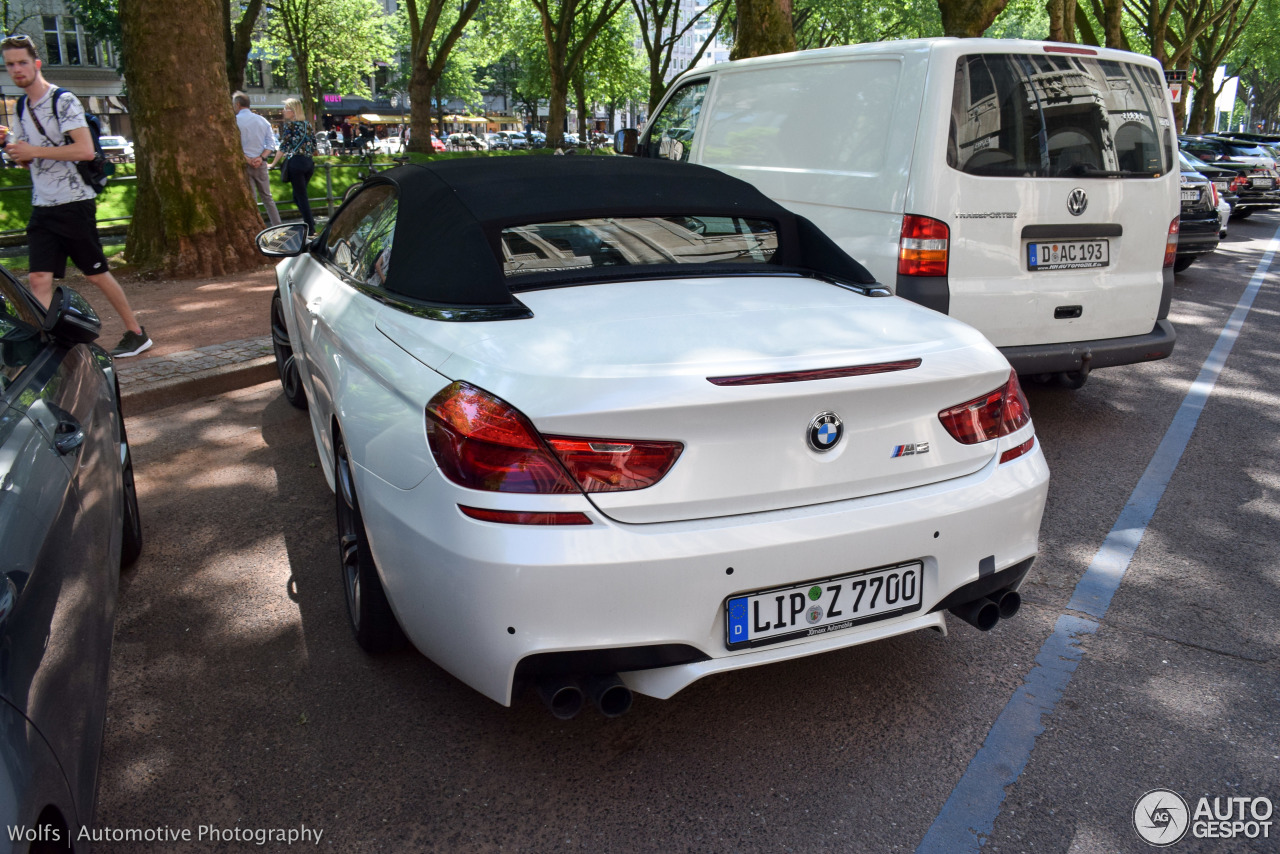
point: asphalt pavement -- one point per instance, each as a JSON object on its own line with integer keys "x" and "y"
{"x": 241, "y": 709}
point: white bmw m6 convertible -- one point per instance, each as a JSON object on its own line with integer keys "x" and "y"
{"x": 603, "y": 426}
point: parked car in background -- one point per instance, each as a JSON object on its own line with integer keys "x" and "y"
{"x": 571, "y": 139}
{"x": 515, "y": 139}
{"x": 624, "y": 440}
{"x": 1228, "y": 182}
{"x": 1199, "y": 224}
{"x": 390, "y": 145}
{"x": 497, "y": 142}
{"x": 1261, "y": 189}
{"x": 116, "y": 148}
{"x": 537, "y": 139}
{"x": 437, "y": 144}
{"x": 68, "y": 521}
{"x": 465, "y": 142}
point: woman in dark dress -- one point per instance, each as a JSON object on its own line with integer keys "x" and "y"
{"x": 297, "y": 148}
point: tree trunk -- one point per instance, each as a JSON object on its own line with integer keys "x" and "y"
{"x": 580, "y": 96}
{"x": 1062, "y": 19}
{"x": 968, "y": 19}
{"x": 559, "y": 96}
{"x": 239, "y": 39}
{"x": 1113, "y": 12}
{"x": 764, "y": 28}
{"x": 420, "y": 87}
{"x": 193, "y": 216}
{"x": 1204, "y": 113}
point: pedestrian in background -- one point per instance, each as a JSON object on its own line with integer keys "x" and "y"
{"x": 257, "y": 141}
{"x": 50, "y": 137}
{"x": 297, "y": 148}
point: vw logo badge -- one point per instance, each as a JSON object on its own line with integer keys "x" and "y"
{"x": 825, "y": 431}
{"x": 1077, "y": 202}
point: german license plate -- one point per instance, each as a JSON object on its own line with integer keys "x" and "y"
{"x": 1260, "y": 182}
{"x": 818, "y": 608}
{"x": 1069, "y": 255}
{"x": 1191, "y": 195}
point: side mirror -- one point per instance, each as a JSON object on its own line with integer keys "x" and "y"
{"x": 626, "y": 141}
{"x": 70, "y": 319}
{"x": 283, "y": 241}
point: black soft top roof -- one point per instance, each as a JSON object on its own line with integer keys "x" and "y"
{"x": 451, "y": 215}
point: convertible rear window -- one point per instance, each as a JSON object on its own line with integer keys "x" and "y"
{"x": 1043, "y": 116}
{"x": 585, "y": 244}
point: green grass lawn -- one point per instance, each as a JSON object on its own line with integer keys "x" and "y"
{"x": 117, "y": 200}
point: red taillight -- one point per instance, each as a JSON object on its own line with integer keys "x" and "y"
{"x": 922, "y": 248}
{"x": 995, "y": 414}
{"x": 482, "y": 442}
{"x": 1213, "y": 191}
{"x": 605, "y": 465}
{"x": 1171, "y": 243}
{"x": 1239, "y": 182}
{"x": 520, "y": 517}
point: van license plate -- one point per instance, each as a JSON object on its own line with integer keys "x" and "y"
{"x": 1070, "y": 255}
{"x": 817, "y": 608}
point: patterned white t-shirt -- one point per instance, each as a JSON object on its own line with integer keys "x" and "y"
{"x": 54, "y": 182}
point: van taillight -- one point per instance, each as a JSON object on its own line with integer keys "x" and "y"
{"x": 922, "y": 248}
{"x": 1171, "y": 243}
{"x": 482, "y": 442}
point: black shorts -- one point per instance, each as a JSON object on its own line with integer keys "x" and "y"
{"x": 57, "y": 231}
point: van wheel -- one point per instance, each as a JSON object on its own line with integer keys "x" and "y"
{"x": 1071, "y": 379}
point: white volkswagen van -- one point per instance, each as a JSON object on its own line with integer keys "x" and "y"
{"x": 1029, "y": 189}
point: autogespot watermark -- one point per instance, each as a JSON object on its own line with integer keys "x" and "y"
{"x": 1163, "y": 817}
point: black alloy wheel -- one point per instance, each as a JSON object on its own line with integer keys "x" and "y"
{"x": 131, "y": 542}
{"x": 286, "y": 362}
{"x": 372, "y": 620}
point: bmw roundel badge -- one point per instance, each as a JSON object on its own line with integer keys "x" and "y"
{"x": 825, "y": 431}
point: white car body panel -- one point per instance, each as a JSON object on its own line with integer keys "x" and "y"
{"x": 457, "y": 584}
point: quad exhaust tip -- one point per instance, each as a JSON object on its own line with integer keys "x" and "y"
{"x": 564, "y": 696}
{"x": 984, "y": 613}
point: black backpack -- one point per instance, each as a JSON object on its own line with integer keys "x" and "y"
{"x": 95, "y": 172}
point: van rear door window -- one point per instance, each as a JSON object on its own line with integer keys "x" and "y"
{"x": 1032, "y": 116}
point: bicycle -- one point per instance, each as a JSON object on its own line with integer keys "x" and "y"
{"x": 366, "y": 168}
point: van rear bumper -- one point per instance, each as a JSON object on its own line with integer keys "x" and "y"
{"x": 1104, "y": 353}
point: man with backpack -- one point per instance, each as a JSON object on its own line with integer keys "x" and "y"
{"x": 51, "y": 137}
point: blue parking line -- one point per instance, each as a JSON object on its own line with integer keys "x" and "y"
{"x": 971, "y": 811}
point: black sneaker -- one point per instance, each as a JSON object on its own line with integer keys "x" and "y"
{"x": 132, "y": 344}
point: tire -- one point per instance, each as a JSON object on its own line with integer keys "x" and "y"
{"x": 1243, "y": 213}
{"x": 131, "y": 541}
{"x": 1182, "y": 262}
{"x": 372, "y": 621}
{"x": 286, "y": 362}
{"x": 350, "y": 191}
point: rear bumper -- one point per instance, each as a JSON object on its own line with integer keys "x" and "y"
{"x": 1199, "y": 235}
{"x": 1105, "y": 353}
{"x": 481, "y": 599}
